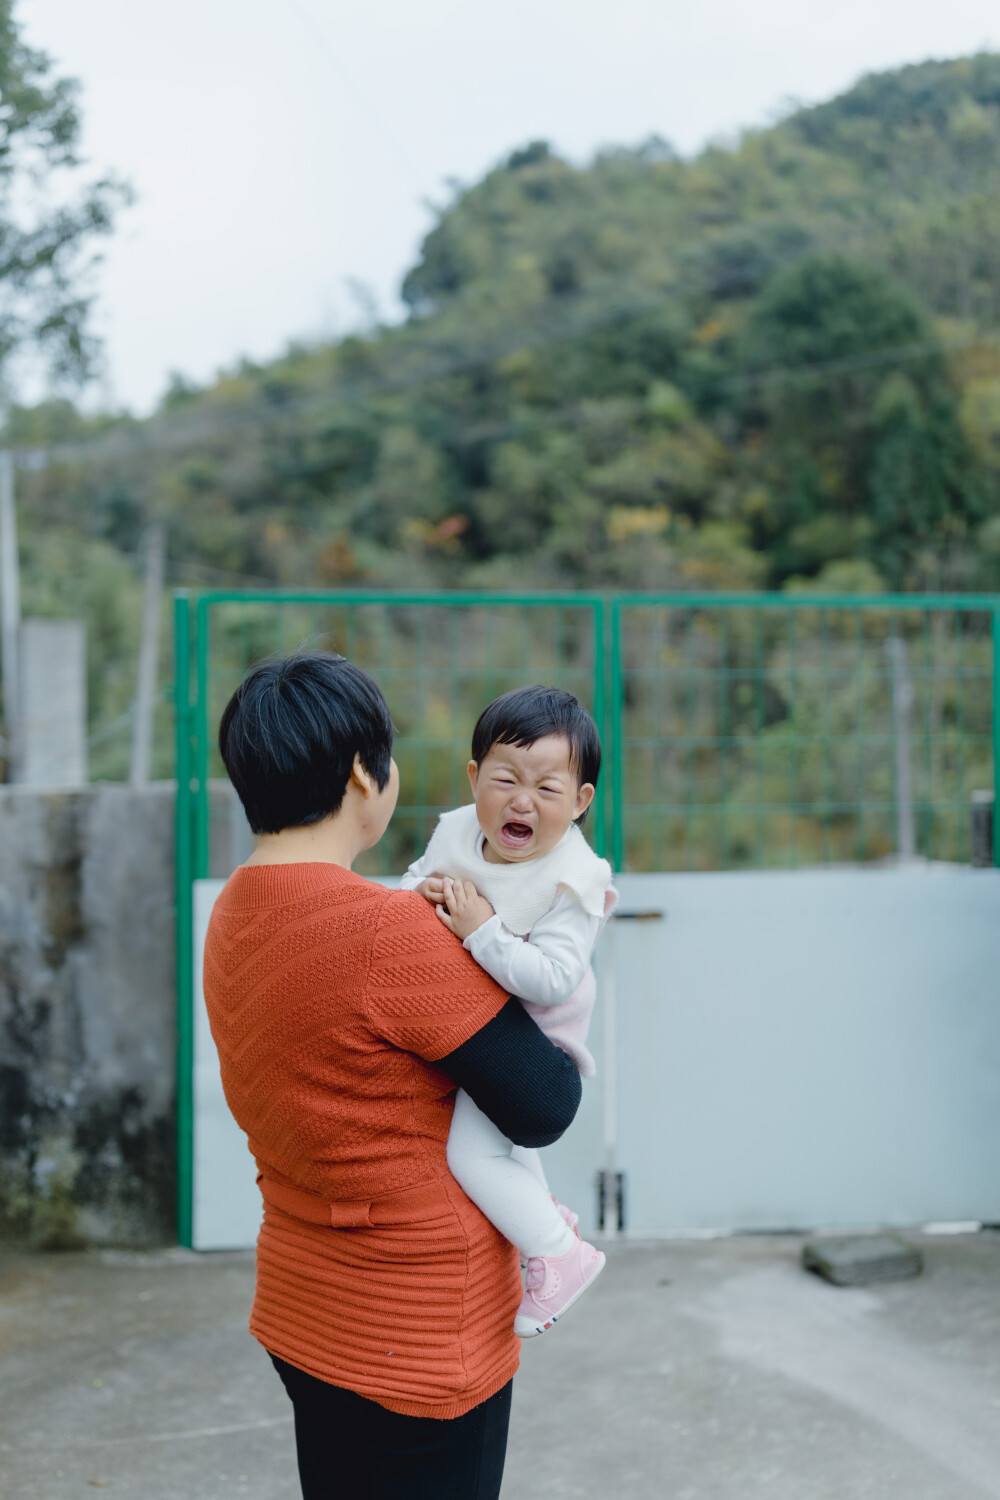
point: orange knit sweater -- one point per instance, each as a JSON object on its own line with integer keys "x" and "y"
{"x": 330, "y": 999}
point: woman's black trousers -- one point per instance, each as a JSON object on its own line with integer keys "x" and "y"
{"x": 350, "y": 1448}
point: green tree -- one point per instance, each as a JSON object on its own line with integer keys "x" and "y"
{"x": 47, "y": 221}
{"x": 865, "y": 450}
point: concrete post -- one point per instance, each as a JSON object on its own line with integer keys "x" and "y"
{"x": 53, "y": 731}
{"x": 10, "y": 614}
{"x": 145, "y": 689}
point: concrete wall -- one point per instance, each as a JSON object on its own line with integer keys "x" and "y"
{"x": 87, "y": 1015}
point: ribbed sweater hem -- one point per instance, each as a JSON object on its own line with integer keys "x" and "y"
{"x": 406, "y": 1406}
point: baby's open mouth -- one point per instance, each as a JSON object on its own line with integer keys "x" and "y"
{"x": 515, "y": 835}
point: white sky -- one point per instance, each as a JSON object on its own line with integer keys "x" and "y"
{"x": 281, "y": 147}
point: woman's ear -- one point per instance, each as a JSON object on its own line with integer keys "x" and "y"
{"x": 361, "y": 780}
{"x": 584, "y": 797}
{"x": 473, "y": 772}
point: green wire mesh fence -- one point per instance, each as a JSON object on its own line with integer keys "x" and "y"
{"x": 438, "y": 659}
{"x": 771, "y": 731}
{"x": 747, "y": 731}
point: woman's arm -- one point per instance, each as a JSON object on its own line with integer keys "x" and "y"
{"x": 426, "y": 995}
{"x": 525, "y": 1084}
{"x": 550, "y": 966}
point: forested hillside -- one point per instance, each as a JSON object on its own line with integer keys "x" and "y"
{"x": 775, "y": 365}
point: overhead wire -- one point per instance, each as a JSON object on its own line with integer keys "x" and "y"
{"x": 165, "y": 432}
{"x": 173, "y": 430}
{"x": 341, "y": 398}
{"x": 324, "y": 49}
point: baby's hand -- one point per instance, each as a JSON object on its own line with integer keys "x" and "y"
{"x": 432, "y": 889}
{"x": 464, "y": 909}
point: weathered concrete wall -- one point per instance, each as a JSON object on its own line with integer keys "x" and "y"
{"x": 87, "y": 1029}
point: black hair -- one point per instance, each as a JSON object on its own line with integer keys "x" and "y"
{"x": 290, "y": 733}
{"x": 527, "y": 714}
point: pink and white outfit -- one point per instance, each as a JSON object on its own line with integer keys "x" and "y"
{"x": 548, "y": 915}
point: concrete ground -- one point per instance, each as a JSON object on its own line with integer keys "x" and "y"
{"x": 693, "y": 1371}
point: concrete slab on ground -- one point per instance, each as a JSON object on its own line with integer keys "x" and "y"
{"x": 692, "y": 1371}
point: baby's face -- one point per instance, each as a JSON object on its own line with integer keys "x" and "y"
{"x": 526, "y": 798}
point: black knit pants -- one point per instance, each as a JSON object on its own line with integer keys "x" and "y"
{"x": 350, "y": 1448}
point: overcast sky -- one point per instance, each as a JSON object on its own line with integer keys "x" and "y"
{"x": 281, "y": 148}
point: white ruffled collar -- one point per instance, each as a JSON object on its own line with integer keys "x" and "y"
{"x": 520, "y": 893}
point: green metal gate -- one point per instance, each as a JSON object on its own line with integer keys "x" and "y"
{"x": 440, "y": 658}
{"x": 741, "y": 731}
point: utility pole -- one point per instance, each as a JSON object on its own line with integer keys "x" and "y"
{"x": 145, "y": 688}
{"x": 10, "y": 614}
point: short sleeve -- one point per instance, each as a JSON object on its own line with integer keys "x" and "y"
{"x": 425, "y": 994}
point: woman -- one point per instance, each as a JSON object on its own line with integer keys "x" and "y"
{"x": 345, "y": 1016}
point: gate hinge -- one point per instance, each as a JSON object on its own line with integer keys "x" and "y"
{"x": 610, "y": 1200}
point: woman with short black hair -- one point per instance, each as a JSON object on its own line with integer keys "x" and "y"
{"x": 345, "y": 1016}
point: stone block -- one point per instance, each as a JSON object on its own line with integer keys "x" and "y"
{"x": 862, "y": 1259}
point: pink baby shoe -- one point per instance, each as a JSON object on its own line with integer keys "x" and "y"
{"x": 552, "y": 1284}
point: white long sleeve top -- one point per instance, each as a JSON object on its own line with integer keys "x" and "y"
{"x": 548, "y": 967}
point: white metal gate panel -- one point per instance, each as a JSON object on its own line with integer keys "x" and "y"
{"x": 788, "y": 1049}
{"x": 809, "y": 1048}
{"x": 226, "y": 1207}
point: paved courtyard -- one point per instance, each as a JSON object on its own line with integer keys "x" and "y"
{"x": 716, "y": 1370}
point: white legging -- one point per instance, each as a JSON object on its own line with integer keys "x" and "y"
{"x": 505, "y": 1182}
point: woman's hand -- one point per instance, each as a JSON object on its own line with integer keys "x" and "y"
{"x": 463, "y": 909}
